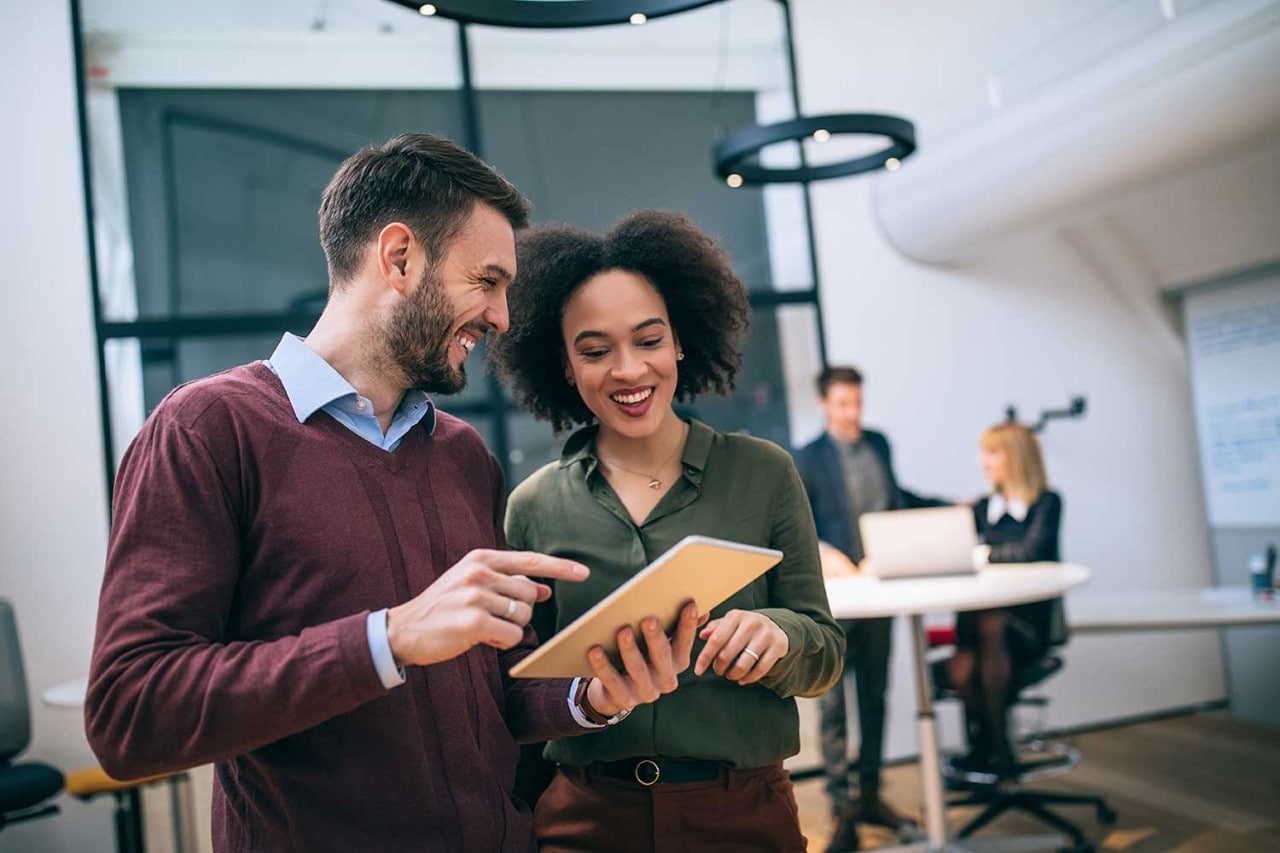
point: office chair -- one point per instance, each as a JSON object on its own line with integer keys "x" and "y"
{"x": 1045, "y": 759}
{"x": 25, "y": 787}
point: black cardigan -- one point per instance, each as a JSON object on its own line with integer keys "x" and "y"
{"x": 1032, "y": 540}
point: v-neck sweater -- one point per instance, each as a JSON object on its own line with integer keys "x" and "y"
{"x": 246, "y": 552}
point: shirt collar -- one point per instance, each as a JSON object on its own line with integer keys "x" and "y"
{"x": 998, "y": 507}
{"x": 846, "y": 445}
{"x": 581, "y": 446}
{"x": 311, "y": 383}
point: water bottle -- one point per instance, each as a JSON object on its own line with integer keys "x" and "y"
{"x": 1262, "y": 583}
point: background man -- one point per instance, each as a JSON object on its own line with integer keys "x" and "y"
{"x": 847, "y": 471}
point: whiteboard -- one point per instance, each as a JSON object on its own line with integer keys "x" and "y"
{"x": 1233, "y": 346}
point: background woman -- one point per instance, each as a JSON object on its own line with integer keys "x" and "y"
{"x": 609, "y": 331}
{"x": 1018, "y": 523}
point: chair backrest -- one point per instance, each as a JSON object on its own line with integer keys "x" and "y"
{"x": 1031, "y": 674}
{"x": 15, "y": 712}
{"x": 1059, "y": 633}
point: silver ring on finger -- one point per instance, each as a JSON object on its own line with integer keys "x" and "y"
{"x": 753, "y": 654}
{"x": 511, "y": 609}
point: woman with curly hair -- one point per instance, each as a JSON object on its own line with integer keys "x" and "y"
{"x": 606, "y": 332}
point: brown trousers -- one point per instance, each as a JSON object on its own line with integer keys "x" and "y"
{"x": 743, "y": 810}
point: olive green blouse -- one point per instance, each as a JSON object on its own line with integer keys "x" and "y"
{"x": 733, "y": 487}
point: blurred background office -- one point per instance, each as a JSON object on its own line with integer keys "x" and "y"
{"x": 1093, "y": 211}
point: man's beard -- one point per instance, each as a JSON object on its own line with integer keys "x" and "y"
{"x": 418, "y": 337}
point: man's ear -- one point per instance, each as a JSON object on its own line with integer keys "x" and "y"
{"x": 395, "y": 249}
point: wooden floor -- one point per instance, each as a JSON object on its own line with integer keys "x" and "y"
{"x": 1201, "y": 782}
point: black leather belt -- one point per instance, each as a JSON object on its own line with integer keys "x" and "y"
{"x": 654, "y": 771}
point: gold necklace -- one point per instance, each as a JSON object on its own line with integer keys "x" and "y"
{"x": 655, "y": 482}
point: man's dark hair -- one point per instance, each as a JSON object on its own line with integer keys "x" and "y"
{"x": 706, "y": 302}
{"x": 837, "y": 373}
{"x": 427, "y": 182}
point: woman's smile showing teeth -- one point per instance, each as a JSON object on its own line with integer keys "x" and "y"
{"x": 633, "y": 401}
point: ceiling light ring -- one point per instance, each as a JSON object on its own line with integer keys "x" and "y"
{"x": 730, "y": 152}
{"x": 530, "y": 14}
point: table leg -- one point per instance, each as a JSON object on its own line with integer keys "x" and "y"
{"x": 183, "y": 811}
{"x": 134, "y": 830}
{"x": 935, "y": 815}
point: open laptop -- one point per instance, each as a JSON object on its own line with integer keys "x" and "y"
{"x": 912, "y": 543}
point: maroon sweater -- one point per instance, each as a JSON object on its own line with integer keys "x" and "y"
{"x": 246, "y": 552}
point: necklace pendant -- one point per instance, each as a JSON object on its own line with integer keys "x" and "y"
{"x": 655, "y": 484}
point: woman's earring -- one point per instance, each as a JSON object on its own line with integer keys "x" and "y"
{"x": 679, "y": 355}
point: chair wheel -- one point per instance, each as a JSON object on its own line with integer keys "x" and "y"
{"x": 1106, "y": 815}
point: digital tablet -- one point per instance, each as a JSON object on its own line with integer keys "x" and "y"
{"x": 700, "y": 568}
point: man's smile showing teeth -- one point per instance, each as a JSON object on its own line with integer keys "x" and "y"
{"x": 633, "y": 398}
{"x": 467, "y": 342}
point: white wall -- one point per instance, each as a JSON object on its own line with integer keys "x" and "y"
{"x": 53, "y": 516}
{"x": 1036, "y": 320}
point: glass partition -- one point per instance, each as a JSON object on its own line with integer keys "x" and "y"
{"x": 213, "y": 130}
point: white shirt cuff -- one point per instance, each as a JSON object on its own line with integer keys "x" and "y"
{"x": 578, "y": 716}
{"x": 380, "y": 649}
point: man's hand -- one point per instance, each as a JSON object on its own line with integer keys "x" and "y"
{"x": 647, "y": 674}
{"x": 486, "y": 597}
{"x": 834, "y": 562}
{"x": 742, "y": 646}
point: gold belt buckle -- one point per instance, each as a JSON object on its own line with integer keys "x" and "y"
{"x": 657, "y": 772}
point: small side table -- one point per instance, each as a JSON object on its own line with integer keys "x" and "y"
{"x": 70, "y": 694}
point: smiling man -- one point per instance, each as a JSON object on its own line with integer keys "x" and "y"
{"x": 306, "y": 582}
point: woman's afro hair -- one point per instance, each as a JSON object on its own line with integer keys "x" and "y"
{"x": 705, "y": 301}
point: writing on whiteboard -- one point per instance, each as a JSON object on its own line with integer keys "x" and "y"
{"x": 1242, "y": 437}
{"x": 1230, "y": 331}
{"x": 1233, "y": 338}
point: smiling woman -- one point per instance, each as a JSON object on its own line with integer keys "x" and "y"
{"x": 609, "y": 331}
{"x": 703, "y": 302}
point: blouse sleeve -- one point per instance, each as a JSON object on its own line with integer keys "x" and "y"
{"x": 798, "y": 599}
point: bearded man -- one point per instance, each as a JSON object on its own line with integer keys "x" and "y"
{"x": 307, "y": 582}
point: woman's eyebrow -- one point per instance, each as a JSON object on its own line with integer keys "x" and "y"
{"x": 589, "y": 333}
{"x": 643, "y": 324}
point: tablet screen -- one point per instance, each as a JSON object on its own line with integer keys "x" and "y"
{"x": 697, "y": 567}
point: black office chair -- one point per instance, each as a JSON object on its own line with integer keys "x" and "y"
{"x": 25, "y": 787}
{"x": 1038, "y": 759}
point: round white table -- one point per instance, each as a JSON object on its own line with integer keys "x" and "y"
{"x": 68, "y": 694}
{"x": 999, "y": 585}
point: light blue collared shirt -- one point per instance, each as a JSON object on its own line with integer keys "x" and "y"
{"x": 312, "y": 385}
